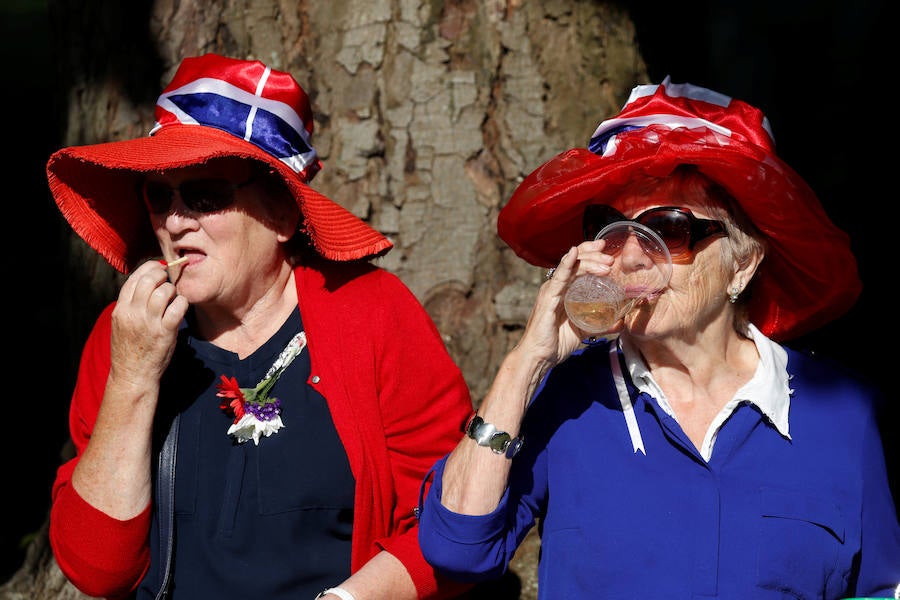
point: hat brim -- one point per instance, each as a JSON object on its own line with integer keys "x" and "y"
{"x": 95, "y": 187}
{"x": 809, "y": 275}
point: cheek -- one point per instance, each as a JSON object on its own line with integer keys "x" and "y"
{"x": 701, "y": 286}
{"x": 696, "y": 294}
{"x": 694, "y": 290}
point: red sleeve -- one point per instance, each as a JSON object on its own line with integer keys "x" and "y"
{"x": 397, "y": 399}
{"x": 102, "y": 556}
{"x": 424, "y": 403}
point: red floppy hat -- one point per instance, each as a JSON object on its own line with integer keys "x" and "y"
{"x": 214, "y": 107}
{"x": 809, "y": 275}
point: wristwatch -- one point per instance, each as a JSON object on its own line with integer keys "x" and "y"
{"x": 487, "y": 435}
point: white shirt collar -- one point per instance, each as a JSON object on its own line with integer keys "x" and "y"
{"x": 768, "y": 389}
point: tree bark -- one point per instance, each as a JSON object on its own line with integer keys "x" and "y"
{"x": 427, "y": 116}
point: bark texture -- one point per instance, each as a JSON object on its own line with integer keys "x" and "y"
{"x": 427, "y": 115}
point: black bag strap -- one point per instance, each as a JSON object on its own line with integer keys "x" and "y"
{"x": 165, "y": 485}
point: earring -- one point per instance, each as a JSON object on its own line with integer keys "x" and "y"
{"x": 734, "y": 294}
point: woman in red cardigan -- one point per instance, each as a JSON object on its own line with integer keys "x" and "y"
{"x": 254, "y": 413}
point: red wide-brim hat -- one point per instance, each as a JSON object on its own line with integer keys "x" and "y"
{"x": 809, "y": 275}
{"x": 215, "y": 107}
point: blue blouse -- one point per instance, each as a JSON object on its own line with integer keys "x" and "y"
{"x": 768, "y": 516}
{"x": 276, "y": 517}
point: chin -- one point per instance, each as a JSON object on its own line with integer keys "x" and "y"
{"x": 192, "y": 293}
{"x": 640, "y": 319}
{"x": 646, "y": 325}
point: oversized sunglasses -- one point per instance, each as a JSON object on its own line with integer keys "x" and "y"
{"x": 678, "y": 228}
{"x": 198, "y": 195}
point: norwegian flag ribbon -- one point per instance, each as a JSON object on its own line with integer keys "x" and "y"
{"x": 673, "y": 106}
{"x": 255, "y": 104}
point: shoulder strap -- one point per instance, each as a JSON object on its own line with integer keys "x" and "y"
{"x": 165, "y": 486}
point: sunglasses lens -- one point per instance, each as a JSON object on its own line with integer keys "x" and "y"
{"x": 199, "y": 195}
{"x": 672, "y": 226}
{"x": 158, "y": 197}
{"x": 598, "y": 216}
{"x": 615, "y": 240}
{"x": 207, "y": 195}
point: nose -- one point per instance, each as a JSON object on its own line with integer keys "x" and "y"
{"x": 633, "y": 255}
{"x": 178, "y": 217}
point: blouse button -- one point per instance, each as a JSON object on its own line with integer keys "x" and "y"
{"x": 315, "y": 379}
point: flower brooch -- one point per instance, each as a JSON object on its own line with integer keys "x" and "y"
{"x": 255, "y": 413}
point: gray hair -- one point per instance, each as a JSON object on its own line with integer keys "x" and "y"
{"x": 744, "y": 243}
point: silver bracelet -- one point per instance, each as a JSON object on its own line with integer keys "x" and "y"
{"x": 337, "y": 591}
{"x": 487, "y": 435}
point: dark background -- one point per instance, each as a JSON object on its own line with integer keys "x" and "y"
{"x": 815, "y": 68}
{"x": 39, "y": 371}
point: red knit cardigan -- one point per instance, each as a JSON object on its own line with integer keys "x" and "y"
{"x": 397, "y": 399}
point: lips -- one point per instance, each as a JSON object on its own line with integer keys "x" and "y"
{"x": 190, "y": 255}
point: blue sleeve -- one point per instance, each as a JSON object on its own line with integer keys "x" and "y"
{"x": 477, "y": 548}
{"x": 879, "y": 561}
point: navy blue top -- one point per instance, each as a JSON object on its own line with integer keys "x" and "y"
{"x": 810, "y": 516}
{"x": 276, "y": 517}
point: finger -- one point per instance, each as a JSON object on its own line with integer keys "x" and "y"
{"x": 150, "y": 297}
{"x": 592, "y": 259}
{"x": 595, "y": 264}
{"x": 175, "y": 312}
{"x": 559, "y": 275}
{"x": 160, "y": 298}
{"x": 141, "y": 281}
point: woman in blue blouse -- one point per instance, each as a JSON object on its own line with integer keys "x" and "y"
{"x": 692, "y": 455}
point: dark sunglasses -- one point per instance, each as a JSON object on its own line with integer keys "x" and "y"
{"x": 678, "y": 228}
{"x": 198, "y": 195}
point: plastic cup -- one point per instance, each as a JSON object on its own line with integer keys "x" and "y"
{"x": 642, "y": 267}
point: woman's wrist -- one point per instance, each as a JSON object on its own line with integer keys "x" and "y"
{"x": 521, "y": 372}
{"x": 336, "y": 591}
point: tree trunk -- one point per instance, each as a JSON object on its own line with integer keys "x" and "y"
{"x": 427, "y": 117}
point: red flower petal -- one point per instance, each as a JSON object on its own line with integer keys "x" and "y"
{"x": 238, "y": 407}
{"x": 229, "y": 388}
{"x": 232, "y": 396}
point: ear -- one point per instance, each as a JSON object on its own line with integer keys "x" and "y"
{"x": 287, "y": 231}
{"x": 743, "y": 274}
{"x": 287, "y": 221}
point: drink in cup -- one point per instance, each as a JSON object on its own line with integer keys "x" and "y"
{"x": 642, "y": 266}
{"x": 596, "y": 304}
